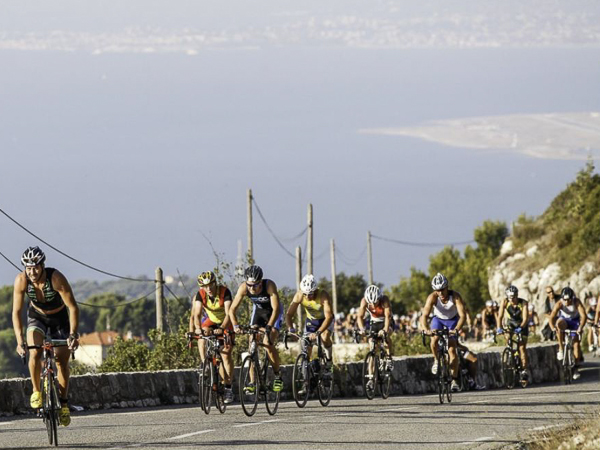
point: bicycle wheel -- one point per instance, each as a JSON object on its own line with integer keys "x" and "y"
{"x": 271, "y": 396}
{"x": 300, "y": 381}
{"x": 567, "y": 365}
{"x": 447, "y": 377}
{"x": 441, "y": 382}
{"x": 508, "y": 369}
{"x": 369, "y": 381}
{"x": 207, "y": 383}
{"x": 52, "y": 407}
{"x": 325, "y": 383}
{"x": 249, "y": 386}
{"x": 385, "y": 377}
{"x": 220, "y": 391}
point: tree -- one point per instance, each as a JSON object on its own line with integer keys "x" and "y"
{"x": 410, "y": 293}
{"x": 350, "y": 290}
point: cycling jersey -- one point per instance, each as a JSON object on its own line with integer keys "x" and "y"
{"x": 490, "y": 319}
{"x": 262, "y": 300}
{"x": 591, "y": 315}
{"x": 215, "y": 307}
{"x": 445, "y": 311}
{"x": 376, "y": 312}
{"x": 569, "y": 312}
{"x": 515, "y": 312}
{"x": 314, "y": 307}
{"x": 52, "y": 298}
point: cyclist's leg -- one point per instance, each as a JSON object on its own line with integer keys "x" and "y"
{"x": 227, "y": 366}
{"x": 272, "y": 350}
{"x": 561, "y": 325}
{"x": 62, "y": 364}
{"x": 36, "y": 330}
{"x": 523, "y": 351}
{"x": 452, "y": 352}
{"x": 327, "y": 344}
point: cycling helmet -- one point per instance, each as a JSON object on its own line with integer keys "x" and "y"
{"x": 593, "y": 301}
{"x": 253, "y": 274}
{"x": 489, "y": 303}
{"x": 567, "y": 294}
{"x": 205, "y": 278}
{"x": 32, "y": 257}
{"x": 531, "y": 307}
{"x": 478, "y": 316}
{"x": 439, "y": 282}
{"x": 495, "y": 304}
{"x": 511, "y": 292}
{"x": 308, "y": 285}
{"x": 372, "y": 294}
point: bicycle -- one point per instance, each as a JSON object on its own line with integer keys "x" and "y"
{"x": 375, "y": 370}
{"x": 464, "y": 378}
{"x": 257, "y": 376}
{"x": 512, "y": 369}
{"x": 210, "y": 381}
{"x": 310, "y": 375}
{"x": 568, "y": 362}
{"x": 50, "y": 409}
{"x": 444, "y": 381}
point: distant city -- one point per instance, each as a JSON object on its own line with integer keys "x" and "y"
{"x": 385, "y": 25}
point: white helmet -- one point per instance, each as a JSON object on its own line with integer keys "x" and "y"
{"x": 593, "y": 301}
{"x": 372, "y": 294}
{"x": 489, "y": 303}
{"x": 439, "y": 282}
{"x": 32, "y": 256}
{"x": 531, "y": 307}
{"x": 308, "y": 285}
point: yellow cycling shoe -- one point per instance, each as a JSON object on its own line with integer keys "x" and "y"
{"x": 35, "y": 401}
{"x": 64, "y": 416}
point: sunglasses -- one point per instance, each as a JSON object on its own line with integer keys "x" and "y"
{"x": 252, "y": 285}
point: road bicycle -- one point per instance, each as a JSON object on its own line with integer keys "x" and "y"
{"x": 256, "y": 375}
{"x": 309, "y": 375}
{"x": 464, "y": 377}
{"x": 444, "y": 375}
{"x": 211, "y": 384}
{"x": 512, "y": 368}
{"x": 50, "y": 409}
{"x": 375, "y": 369}
{"x": 568, "y": 362}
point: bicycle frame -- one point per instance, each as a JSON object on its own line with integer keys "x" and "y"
{"x": 568, "y": 361}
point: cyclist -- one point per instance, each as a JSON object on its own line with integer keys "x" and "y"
{"x": 471, "y": 359}
{"x": 533, "y": 319}
{"x": 210, "y": 311}
{"x": 319, "y": 315}
{"x": 52, "y": 310}
{"x": 381, "y": 322}
{"x": 572, "y": 317}
{"x": 591, "y": 316}
{"x": 517, "y": 312}
{"x": 448, "y": 312}
{"x": 266, "y": 313}
{"x": 489, "y": 319}
{"x": 478, "y": 327}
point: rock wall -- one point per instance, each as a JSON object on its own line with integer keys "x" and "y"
{"x": 532, "y": 284}
{"x": 411, "y": 375}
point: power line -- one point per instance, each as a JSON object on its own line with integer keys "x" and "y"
{"x": 421, "y": 244}
{"x": 10, "y": 262}
{"x": 298, "y": 236}
{"x": 128, "y": 302}
{"x": 350, "y": 261}
{"x": 270, "y": 230}
{"x": 70, "y": 257}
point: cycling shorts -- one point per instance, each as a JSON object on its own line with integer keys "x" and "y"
{"x": 512, "y": 324}
{"x": 572, "y": 324}
{"x": 210, "y": 325}
{"x": 313, "y": 325}
{"x": 376, "y": 327}
{"x": 261, "y": 317}
{"x": 56, "y": 326}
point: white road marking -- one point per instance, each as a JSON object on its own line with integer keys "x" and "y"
{"x": 396, "y": 409}
{"x": 256, "y": 423}
{"x": 536, "y": 397}
{"x": 183, "y": 436}
{"x": 478, "y": 401}
{"x": 482, "y": 439}
{"x": 6, "y": 423}
{"x": 590, "y": 393}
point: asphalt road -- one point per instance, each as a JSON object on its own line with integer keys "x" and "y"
{"x": 484, "y": 419}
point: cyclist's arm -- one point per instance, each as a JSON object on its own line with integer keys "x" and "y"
{"x": 226, "y": 305}
{"x": 460, "y": 308}
{"x": 239, "y": 296}
{"x": 62, "y": 286}
{"x": 275, "y": 303}
{"x": 553, "y": 315}
{"x": 597, "y": 317}
{"x": 583, "y": 316}
{"x": 501, "y": 314}
{"x": 525, "y": 315}
{"x": 387, "y": 314}
{"x": 291, "y": 312}
{"x": 18, "y": 303}
{"x": 327, "y": 311}
{"x": 197, "y": 309}
{"x": 426, "y": 311}
{"x": 361, "y": 313}
{"x": 483, "y": 321}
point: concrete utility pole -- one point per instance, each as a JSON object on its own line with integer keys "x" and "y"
{"x": 309, "y": 249}
{"x": 159, "y": 298}
{"x": 298, "y": 279}
{"x": 250, "y": 241}
{"x": 333, "y": 280}
{"x": 370, "y": 257}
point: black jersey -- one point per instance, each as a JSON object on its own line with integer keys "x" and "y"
{"x": 52, "y": 298}
{"x": 263, "y": 299}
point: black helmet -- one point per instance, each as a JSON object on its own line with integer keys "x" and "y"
{"x": 253, "y": 274}
{"x": 32, "y": 257}
{"x": 511, "y": 292}
{"x": 567, "y": 294}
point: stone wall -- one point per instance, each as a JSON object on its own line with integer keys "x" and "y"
{"x": 411, "y": 375}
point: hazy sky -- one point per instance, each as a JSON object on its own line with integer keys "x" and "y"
{"x": 123, "y": 148}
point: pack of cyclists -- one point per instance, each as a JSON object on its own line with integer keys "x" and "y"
{"x": 52, "y": 311}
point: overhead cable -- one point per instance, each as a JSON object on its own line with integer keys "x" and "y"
{"x": 422, "y": 244}
{"x": 350, "y": 261}
{"x": 270, "y": 230}
{"x": 128, "y": 302}
{"x": 70, "y": 257}
{"x": 10, "y": 262}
